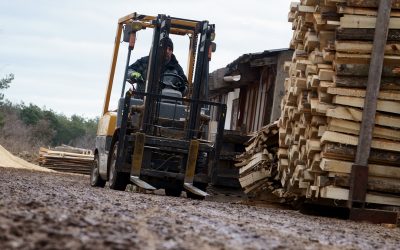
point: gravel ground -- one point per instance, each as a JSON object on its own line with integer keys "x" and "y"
{"x": 41, "y": 210}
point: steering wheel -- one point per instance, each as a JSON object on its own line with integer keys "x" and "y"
{"x": 176, "y": 83}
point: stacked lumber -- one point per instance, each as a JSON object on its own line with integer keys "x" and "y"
{"x": 258, "y": 163}
{"x": 63, "y": 161}
{"x": 69, "y": 149}
{"x": 324, "y": 98}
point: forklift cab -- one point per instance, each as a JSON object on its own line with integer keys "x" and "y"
{"x": 159, "y": 138}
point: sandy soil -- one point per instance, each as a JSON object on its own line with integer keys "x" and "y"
{"x": 8, "y": 160}
{"x": 41, "y": 210}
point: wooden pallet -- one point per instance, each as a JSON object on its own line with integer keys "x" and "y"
{"x": 64, "y": 160}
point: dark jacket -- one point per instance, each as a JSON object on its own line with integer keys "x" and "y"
{"x": 141, "y": 66}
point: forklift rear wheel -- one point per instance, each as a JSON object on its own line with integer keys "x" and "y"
{"x": 95, "y": 179}
{"x": 118, "y": 180}
{"x": 175, "y": 192}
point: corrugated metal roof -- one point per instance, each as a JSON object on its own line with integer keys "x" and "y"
{"x": 252, "y": 56}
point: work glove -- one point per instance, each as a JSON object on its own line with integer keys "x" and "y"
{"x": 136, "y": 77}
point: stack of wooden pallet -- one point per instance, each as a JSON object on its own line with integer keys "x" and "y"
{"x": 258, "y": 163}
{"x": 63, "y": 161}
{"x": 323, "y": 105}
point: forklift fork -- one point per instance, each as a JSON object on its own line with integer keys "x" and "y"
{"x": 136, "y": 166}
{"x": 190, "y": 169}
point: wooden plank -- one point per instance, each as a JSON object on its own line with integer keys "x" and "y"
{"x": 336, "y": 137}
{"x": 377, "y": 184}
{"x": 382, "y": 105}
{"x": 348, "y": 58}
{"x": 325, "y": 75}
{"x": 347, "y": 153}
{"x": 325, "y": 38}
{"x": 364, "y": 34}
{"x": 350, "y": 127}
{"x": 356, "y": 115}
{"x": 256, "y": 157}
{"x": 365, "y": 22}
{"x": 340, "y": 166}
{"x": 371, "y": 3}
{"x": 363, "y": 47}
{"x": 363, "y": 11}
{"x": 336, "y": 193}
{"x": 306, "y": 9}
{"x": 254, "y": 177}
{"x": 319, "y": 108}
{"x": 254, "y": 163}
{"x": 384, "y": 95}
{"x": 362, "y": 70}
{"x": 387, "y": 83}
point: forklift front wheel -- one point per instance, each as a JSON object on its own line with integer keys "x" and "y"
{"x": 95, "y": 179}
{"x": 117, "y": 180}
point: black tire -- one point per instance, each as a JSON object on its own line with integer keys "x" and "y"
{"x": 174, "y": 192}
{"x": 117, "y": 180}
{"x": 202, "y": 163}
{"x": 202, "y": 187}
{"x": 95, "y": 179}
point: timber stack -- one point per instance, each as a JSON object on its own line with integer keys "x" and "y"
{"x": 323, "y": 104}
{"x": 258, "y": 164}
{"x": 67, "y": 159}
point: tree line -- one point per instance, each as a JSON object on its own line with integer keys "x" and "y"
{"x": 26, "y": 127}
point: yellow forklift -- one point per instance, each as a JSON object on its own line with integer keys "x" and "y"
{"x": 157, "y": 138}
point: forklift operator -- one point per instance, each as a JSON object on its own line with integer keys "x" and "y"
{"x": 137, "y": 72}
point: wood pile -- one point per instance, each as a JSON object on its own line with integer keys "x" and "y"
{"x": 63, "y": 160}
{"x": 257, "y": 165}
{"x": 323, "y": 104}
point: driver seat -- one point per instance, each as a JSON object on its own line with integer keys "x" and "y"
{"x": 172, "y": 93}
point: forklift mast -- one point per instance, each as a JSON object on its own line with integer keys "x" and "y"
{"x": 161, "y": 140}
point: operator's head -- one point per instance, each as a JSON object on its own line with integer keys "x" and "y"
{"x": 169, "y": 50}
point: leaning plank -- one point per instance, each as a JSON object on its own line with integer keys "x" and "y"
{"x": 382, "y": 105}
{"x": 385, "y": 95}
{"x": 254, "y": 158}
{"x": 339, "y": 166}
{"x": 365, "y": 22}
{"x": 254, "y": 177}
{"x": 350, "y": 127}
{"x": 354, "y": 114}
{"x": 256, "y": 161}
{"x": 336, "y": 193}
{"x": 371, "y": 3}
{"x": 336, "y": 137}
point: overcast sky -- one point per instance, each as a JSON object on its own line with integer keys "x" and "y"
{"x": 60, "y": 51}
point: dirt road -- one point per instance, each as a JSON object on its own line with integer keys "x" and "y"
{"x": 42, "y": 210}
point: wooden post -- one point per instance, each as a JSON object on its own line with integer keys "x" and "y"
{"x": 359, "y": 173}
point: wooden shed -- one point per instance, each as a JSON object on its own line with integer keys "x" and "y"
{"x": 252, "y": 86}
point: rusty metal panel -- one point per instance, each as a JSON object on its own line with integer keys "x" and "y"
{"x": 358, "y": 184}
{"x": 373, "y": 216}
